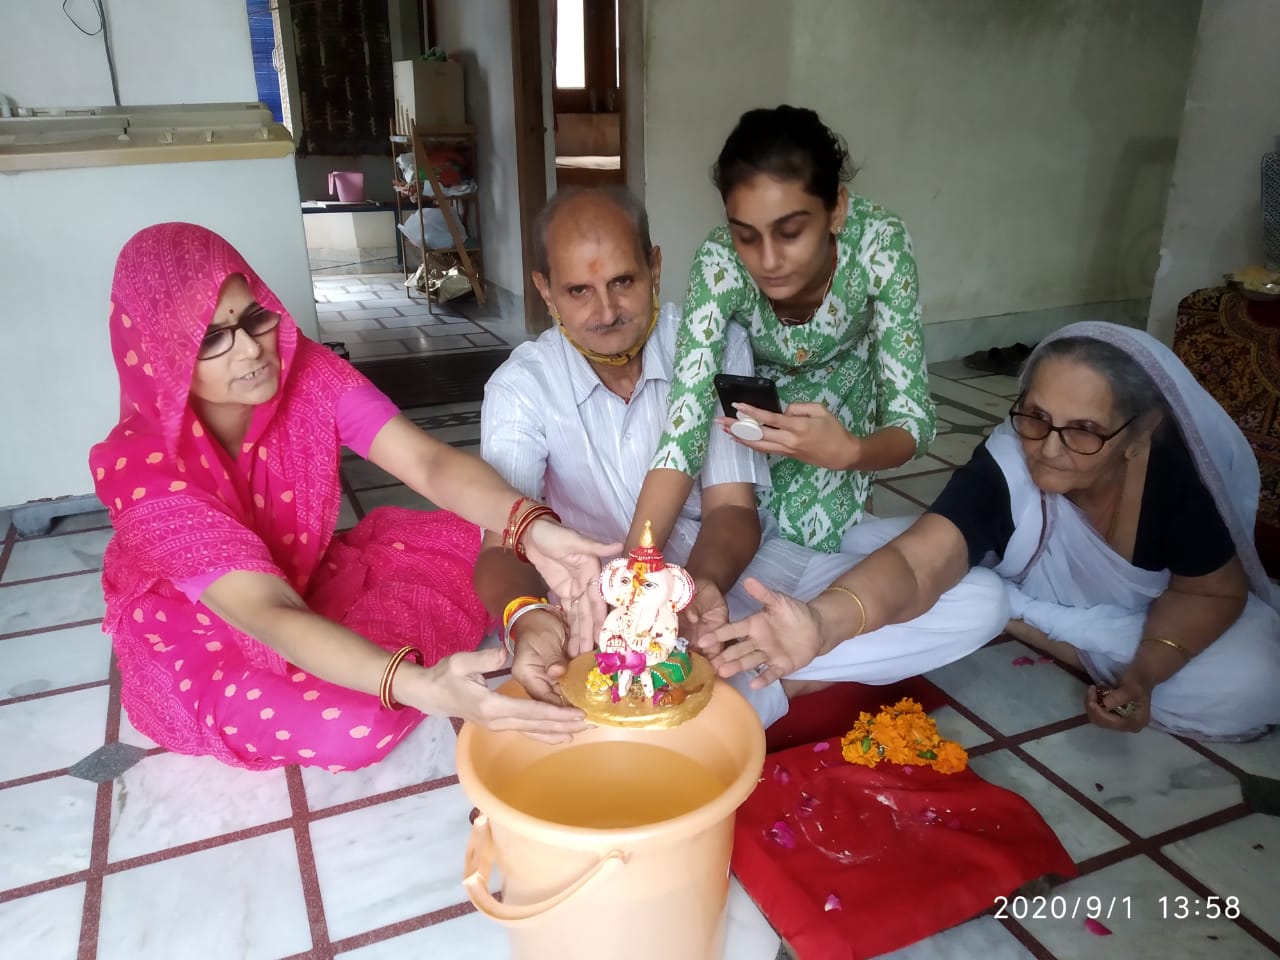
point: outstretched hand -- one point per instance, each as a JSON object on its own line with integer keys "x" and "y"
{"x": 808, "y": 432}
{"x": 570, "y": 565}
{"x": 706, "y": 612}
{"x": 457, "y": 688}
{"x": 775, "y": 641}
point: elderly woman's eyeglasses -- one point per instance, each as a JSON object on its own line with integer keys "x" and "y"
{"x": 256, "y": 323}
{"x": 1080, "y": 440}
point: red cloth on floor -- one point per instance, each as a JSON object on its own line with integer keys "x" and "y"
{"x": 907, "y": 852}
{"x": 831, "y": 712}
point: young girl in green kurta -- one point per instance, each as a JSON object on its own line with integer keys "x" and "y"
{"x": 825, "y": 285}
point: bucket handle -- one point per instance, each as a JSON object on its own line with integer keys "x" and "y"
{"x": 479, "y": 863}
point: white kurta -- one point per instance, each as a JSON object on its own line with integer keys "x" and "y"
{"x": 554, "y": 431}
{"x": 1064, "y": 579}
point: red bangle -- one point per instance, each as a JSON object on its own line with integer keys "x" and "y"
{"x": 526, "y": 521}
{"x": 389, "y": 673}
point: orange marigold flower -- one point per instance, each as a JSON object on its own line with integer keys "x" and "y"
{"x": 952, "y": 758}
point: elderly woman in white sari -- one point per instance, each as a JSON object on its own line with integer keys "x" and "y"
{"x": 1117, "y": 503}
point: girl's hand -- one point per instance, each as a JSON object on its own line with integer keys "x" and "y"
{"x": 808, "y": 432}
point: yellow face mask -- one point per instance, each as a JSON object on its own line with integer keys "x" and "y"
{"x": 613, "y": 359}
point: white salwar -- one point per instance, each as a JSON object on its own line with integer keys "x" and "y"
{"x": 1064, "y": 579}
{"x": 552, "y": 429}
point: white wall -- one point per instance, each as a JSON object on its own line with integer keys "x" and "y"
{"x": 165, "y": 51}
{"x": 60, "y": 231}
{"x": 1213, "y": 223}
{"x": 1028, "y": 146}
{"x": 478, "y": 33}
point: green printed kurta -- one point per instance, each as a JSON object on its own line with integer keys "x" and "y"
{"x": 861, "y": 356}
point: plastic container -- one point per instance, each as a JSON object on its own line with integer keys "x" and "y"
{"x": 348, "y": 185}
{"x": 617, "y": 844}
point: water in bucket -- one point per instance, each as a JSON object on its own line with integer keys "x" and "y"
{"x": 612, "y": 786}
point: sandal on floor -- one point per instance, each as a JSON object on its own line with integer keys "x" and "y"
{"x": 1003, "y": 361}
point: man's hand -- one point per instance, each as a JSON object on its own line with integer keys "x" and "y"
{"x": 808, "y": 432}
{"x": 707, "y": 612}
{"x": 540, "y": 659}
{"x": 775, "y": 641}
{"x": 570, "y": 565}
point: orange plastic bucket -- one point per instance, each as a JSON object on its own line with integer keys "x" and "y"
{"x": 617, "y": 844}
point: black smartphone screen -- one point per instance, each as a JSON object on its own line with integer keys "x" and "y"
{"x": 758, "y": 391}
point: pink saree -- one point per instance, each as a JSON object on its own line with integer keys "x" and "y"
{"x": 185, "y": 510}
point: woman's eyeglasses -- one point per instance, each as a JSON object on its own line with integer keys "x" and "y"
{"x": 256, "y": 323}
{"x": 1080, "y": 440}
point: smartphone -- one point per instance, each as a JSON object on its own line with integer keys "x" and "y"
{"x": 760, "y": 392}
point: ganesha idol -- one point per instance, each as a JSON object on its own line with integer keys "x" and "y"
{"x": 642, "y": 672}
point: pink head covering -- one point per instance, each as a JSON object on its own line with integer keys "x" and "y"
{"x": 167, "y": 281}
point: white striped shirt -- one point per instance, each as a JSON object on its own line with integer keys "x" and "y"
{"x": 555, "y": 432}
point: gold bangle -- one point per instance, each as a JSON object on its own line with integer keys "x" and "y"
{"x": 856, "y": 599}
{"x": 1186, "y": 654}
{"x": 389, "y": 673}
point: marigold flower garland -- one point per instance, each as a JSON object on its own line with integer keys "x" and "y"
{"x": 902, "y": 734}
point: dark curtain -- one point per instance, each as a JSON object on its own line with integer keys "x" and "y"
{"x": 344, "y": 76}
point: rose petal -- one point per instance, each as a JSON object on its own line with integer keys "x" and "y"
{"x": 1094, "y": 927}
{"x": 908, "y": 770}
{"x": 780, "y": 775}
{"x": 822, "y": 746}
{"x": 832, "y": 903}
{"x": 782, "y": 834}
{"x": 1022, "y": 661}
{"x": 929, "y": 816}
{"x": 807, "y": 805}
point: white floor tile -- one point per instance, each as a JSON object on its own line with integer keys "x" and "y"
{"x": 242, "y": 900}
{"x": 1130, "y": 891}
{"x": 82, "y": 521}
{"x": 362, "y": 474}
{"x": 470, "y": 937}
{"x": 984, "y": 937}
{"x": 171, "y": 799}
{"x": 923, "y": 464}
{"x": 1082, "y": 834}
{"x": 45, "y": 925}
{"x": 923, "y": 488}
{"x": 1010, "y": 698}
{"x": 747, "y": 934}
{"x": 1238, "y": 859}
{"x": 129, "y": 733}
{"x": 1002, "y": 386}
{"x": 955, "y": 415}
{"x": 967, "y": 396}
{"x": 51, "y": 732}
{"x": 46, "y": 830}
{"x": 426, "y": 754}
{"x": 1261, "y": 757}
{"x": 954, "y": 726}
{"x": 1149, "y": 781}
{"x": 45, "y": 556}
{"x": 50, "y": 661}
{"x": 391, "y": 861}
{"x": 955, "y": 448}
{"x": 347, "y": 517}
{"x": 50, "y": 603}
{"x": 886, "y": 503}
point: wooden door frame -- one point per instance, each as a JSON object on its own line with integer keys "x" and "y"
{"x": 531, "y": 144}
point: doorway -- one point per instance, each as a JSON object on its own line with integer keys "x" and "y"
{"x": 580, "y": 61}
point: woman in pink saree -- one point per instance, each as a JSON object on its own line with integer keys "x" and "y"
{"x": 243, "y": 627}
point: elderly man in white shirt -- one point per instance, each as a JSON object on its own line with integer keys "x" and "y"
{"x": 574, "y": 417}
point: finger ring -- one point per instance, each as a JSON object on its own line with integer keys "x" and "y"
{"x": 763, "y": 668}
{"x": 1127, "y": 710}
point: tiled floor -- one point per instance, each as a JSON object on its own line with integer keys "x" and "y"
{"x": 377, "y": 317}
{"x": 180, "y": 857}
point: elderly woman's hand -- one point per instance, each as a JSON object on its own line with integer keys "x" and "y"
{"x": 1127, "y": 708}
{"x": 570, "y": 565}
{"x": 808, "y": 432}
{"x": 775, "y": 641}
